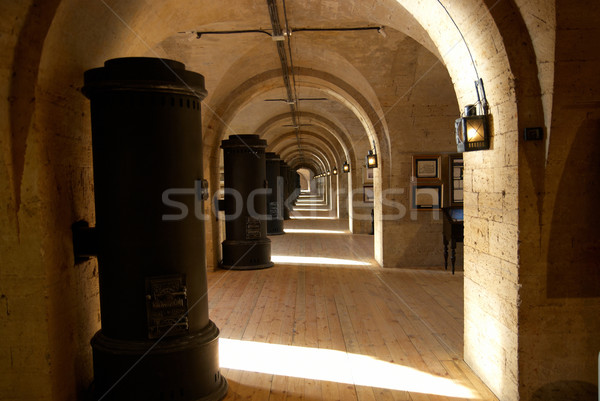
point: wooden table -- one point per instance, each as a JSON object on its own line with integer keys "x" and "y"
{"x": 453, "y": 232}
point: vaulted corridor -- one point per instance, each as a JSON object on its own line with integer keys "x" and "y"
{"x": 128, "y": 127}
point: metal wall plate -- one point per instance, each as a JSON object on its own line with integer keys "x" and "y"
{"x": 533, "y": 134}
{"x": 166, "y": 306}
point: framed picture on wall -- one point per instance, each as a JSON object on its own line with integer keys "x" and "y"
{"x": 456, "y": 168}
{"x": 368, "y": 194}
{"x": 426, "y": 196}
{"x": 368, "y": 175}
{"x": 426, "y": 167}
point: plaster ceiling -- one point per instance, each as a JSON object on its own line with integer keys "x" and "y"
{"x": 361, "y": 74}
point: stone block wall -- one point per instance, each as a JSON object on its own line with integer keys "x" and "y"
{"x": 49, "y": 306}
{"x": 559, "y": 251}
{"x": 422, "y": 123}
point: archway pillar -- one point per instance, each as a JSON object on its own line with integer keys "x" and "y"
{"x": 349, "y": 208}
{"x": 361, "y": 211}
{"x": 491, "y": 204}
{"x": 342, "y": 180}
{"x": 331, "y": 194}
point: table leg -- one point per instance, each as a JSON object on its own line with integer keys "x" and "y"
{"x": 445, "y": 253}
{"x": 453, "y": 257}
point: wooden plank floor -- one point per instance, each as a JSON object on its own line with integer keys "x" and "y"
{"x": 341, "y": 327}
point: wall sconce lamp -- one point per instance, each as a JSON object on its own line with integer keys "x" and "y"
{"x": 472, "y": 130}
{"x": 346, "y": 167}
{"x": 372, "y": 158}
{"x": 328, "y": 172}
{"x": 335, "y": 171}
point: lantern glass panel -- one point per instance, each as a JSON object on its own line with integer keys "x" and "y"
{"x": 371, "y": 161}
{"x": 475, "y": 130}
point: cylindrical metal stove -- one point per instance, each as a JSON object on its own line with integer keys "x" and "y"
{"x": 284, "y": 173}
{"x": 156, "y": 341}
{"x": 290, "y": 186}
{"x": 297, "y": 186}
{"x": 291, "y": 182}
{"x": 246, "y": 246}
{"x": 275, "y": 196}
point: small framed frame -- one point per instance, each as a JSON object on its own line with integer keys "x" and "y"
{"x": 368, "y": 175}
{"x": 426, "y": 167}
{"x": 456, "y": 168}
{"x": 368, "y": 194}
{"x": 427, "y": 196}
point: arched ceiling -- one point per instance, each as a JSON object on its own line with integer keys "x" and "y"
{"x": 373, "y": 82}
{"x": 350, "y": 78}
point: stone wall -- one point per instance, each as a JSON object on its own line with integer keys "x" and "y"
{"x": 50, "y": 305}
{"x": 560, "y": 248}
{"x": 422, "y": 123}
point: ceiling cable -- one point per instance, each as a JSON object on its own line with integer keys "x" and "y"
{"x": 288, "y": 31}
{"x": 293, "y": 73}
{"x": 462, "y": 37}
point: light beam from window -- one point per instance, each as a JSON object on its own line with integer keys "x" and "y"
{"x": 312, "y": 231}
{"x": 333, "y": 366}
{"x": 313, "y": 260}
{"x": 312, "y": 217}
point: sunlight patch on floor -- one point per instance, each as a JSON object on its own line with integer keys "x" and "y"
{"x": 312, "y": 231}
{"x": 333, "y": 366}
{"x": 312, "y": 217}
{"x": 313, "y": 260}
